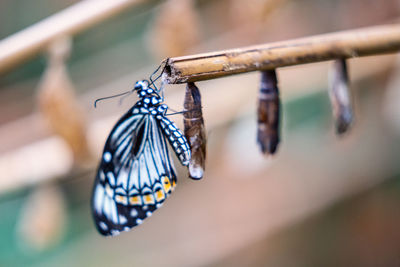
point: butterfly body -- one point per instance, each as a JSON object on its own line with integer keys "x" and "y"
{"x": 136, "y": 173}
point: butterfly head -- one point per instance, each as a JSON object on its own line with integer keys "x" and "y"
{"x": 143, "y": 88}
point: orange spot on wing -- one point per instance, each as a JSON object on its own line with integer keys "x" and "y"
{"x": 160, "y": 195}
{"x": 121, "y": 199}
{"x": 136, "y": 200}
{"x": 166, "y": 184}
{"x": 148, "y": 199}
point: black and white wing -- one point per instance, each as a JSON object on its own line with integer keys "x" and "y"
{"x": 135, "y": 175}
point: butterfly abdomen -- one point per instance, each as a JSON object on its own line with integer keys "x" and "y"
{"x": 176, "y": 139}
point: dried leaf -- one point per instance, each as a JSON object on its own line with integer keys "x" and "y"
{"x": 59, "y": 105}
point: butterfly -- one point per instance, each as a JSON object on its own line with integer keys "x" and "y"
{"x": 136, "y": 173}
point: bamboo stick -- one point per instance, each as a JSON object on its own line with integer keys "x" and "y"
{"x": 346, "y": 44}
{"x": 25, "y": 44}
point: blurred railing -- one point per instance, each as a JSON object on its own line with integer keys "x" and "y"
{"x": 21, "y": 46}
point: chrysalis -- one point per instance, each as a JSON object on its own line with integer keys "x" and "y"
{"x": 195, "y": 131}
{"x": 268, "y": 113}
{"x": 340, "y": 96}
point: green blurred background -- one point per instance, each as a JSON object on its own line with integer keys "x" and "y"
{"x": 322, "y": 200}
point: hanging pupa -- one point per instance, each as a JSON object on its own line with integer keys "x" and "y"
{"x": 268, "y": 113}
{"x": 194, "y": 130}
{"x": 340, "y": 96}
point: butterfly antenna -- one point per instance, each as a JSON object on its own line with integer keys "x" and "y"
{"x": 107, "y": 97}
{"x": 164, "y": 62}
{"x": 175, "y": 113}
{"x": 125, "y": 96}
{"x": 181, "y": 112}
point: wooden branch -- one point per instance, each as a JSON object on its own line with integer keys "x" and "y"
{"x": 346, "y": 44}
{"x": 25, "y": 44}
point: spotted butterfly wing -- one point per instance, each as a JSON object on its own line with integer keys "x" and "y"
{"x": 136, "y": 172}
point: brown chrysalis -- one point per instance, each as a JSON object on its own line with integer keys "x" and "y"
{"x": 268, "y": 113}
{"x": 194, "y": 130}
{"x": 340, "y": 96}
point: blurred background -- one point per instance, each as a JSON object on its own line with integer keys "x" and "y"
{"x": 322, "y": 200}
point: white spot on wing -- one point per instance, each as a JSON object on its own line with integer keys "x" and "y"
{"x": 109, "y": 191}
{"x": 98, "y": 198}
{"x": 134, "y": 213}
{"x": 115, "y": 232}
{"x": 103, "y": 226}
{"x": 110, "y": 209}
{"x": 122, "y": 219}
{"x": 142, "y": 84}
{"x": 107, "y": 156}
{"x": 111, "y": 178}
{"x": 139, "y": 221}
{"x": 148, "y": 214}
{"x": 113, "y": 211}
{"x": 106, "y": 207}
{"x": 102, "y": 176}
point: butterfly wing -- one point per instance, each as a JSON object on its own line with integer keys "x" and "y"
{"x": 135, "y": 175}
